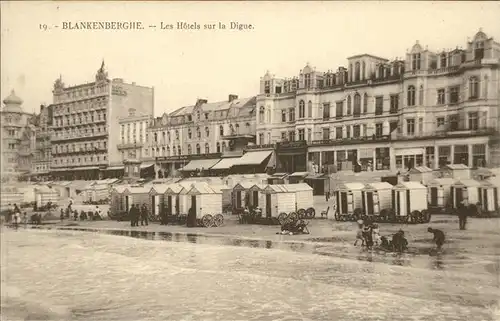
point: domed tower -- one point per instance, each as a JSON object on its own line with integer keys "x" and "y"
{"x": 13, "y": 127}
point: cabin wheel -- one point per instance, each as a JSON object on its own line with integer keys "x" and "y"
{"x": 337, "y": 216}
{"x": 302, "y": 213}
{"x": 293, "y": 216}
{"x": 415, "y": 217}
{"x": 310, "y": 212}
{"x": 426, "y": 216}
{"x": 206, "y": 220}
{"x": 282, "y": 218}
{"x": 218, "y": 220}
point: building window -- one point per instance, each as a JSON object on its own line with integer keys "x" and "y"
{"x": 357, "y": 105}
{"x": 420, "y": 125}
{"x": 302, "y": 109}
{"x": 207, "y": 131}
{"x": 198, "y": 132}
{"x": 379, "y": 105}
{"x": 461, "y": 155}
{"x": 349, "y": 106}
{"x": 365, "y": 103}
{"x": 283, "y": 136}
{"x": 379, "y": 129}
{"x": 179, "y": 150}
{"x": 207, "y": 148}
{"x": 291, "y": 135}
{"x": 326, "y": 111}
{"x": 206, "y": 115}
{"x": 261, "y": 115}
{"x": 479, "y": 50}
{"x": 291, "y": 115}
{"x": 218, "y": 147}
{"x": 189, "y": 149}
{"x": 473, "y": 121}
{"x": 302, "y": 134}
{"x": 421, "y": 95}
{"x": 357, "y": 71}
{"x": 307, "y": 81}
{"x": 339, "y": 113}
{"x": 443, "y": 60}
{"x": 440, "y": 121}
{"x": 429, "y": 157}
{"x": 411, "y": 96}
{"x": 479, "y": 155}
{"x": 415, "y": 61}
{"x": 394, "y": 104}
{"x": 309, "y": 135}
{"x": 190, "y": 134}
{"x": 261, "y": 139}
{"x": 441, "y": 100}
{"x": 356, "y": 131}
{"x": 410, "y": 127}
{"x": 326, "y": 133}
{"x": 267, "y": 87}
{"x": 176, "y": 135}
{"x": 473, "y": 88}
{"x": 283, "y": 116}
{"x": 310, "y": 109}
{"x": 348, "y": 132}
{"x": 221, "y": 130}
{"x": 454, "y": 94}
{"x": 223, "y": 147}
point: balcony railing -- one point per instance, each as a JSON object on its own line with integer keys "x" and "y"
{"x": 350, "y": 141}
{"x": 261, "y": 146}
{"x": 131, "y": 145}
{"x": 79, "y": 136}
{"x": 82, "y": 151}
{"x": 455, "y": 132}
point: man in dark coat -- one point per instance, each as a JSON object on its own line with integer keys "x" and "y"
{"x": 144, "y": 215}
{"x": 133, "y": 215}
{"x": 163, "y": 215}
{"x": 462, "y": 215}
{"x": 191, "y": 219}
{"x": 438, "y": 237}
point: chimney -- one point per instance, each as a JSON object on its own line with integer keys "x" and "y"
{"x": 232, "y": 97}
{"x": 200, "y": 102}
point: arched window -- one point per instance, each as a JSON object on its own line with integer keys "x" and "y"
{"x": 261, "y": 115}
{"x": 198, "y": 149}
{"x": 302, "y": 109}
{"x": 443, "y": 60}
{"x": 176, "y": 134}
{"x": 473, "y": 88}
{"x": 381, "y": 71}
{"x": 247, "y": 128}
{"x": 218, "y": 147}
{"x": 198, "y": 132}
{"x": 411, "y": 96}
{"x": 155, "y": 136}
{"x": 163, "y": 151}
{"x": 268, "y": 115}
{"x": 223, "y": 146}
{"x": 207, "y": 148}
{"x": 221, "y": 130}
{"x": 198, "y": 115}
{"x": 479, "y": 50}
{"x": 421, "y": 95}
{"x": 237, "y": 128}
{"x": 179, "y": 150}
{"x": 207, "y": 131}
{"x": 310, "y": 109}
{"x": 365, "y": 103}
{"x": 190, "y": 134}
{"x": 349, "y": 105}
{"x": 163, "y": 137}
{"x": 189, "y": 149}
{"x": 168, "y": 151}
{"x": 357, "y": 105}
{"x": 357, "y": 72}
{"x": 363, "y": 70}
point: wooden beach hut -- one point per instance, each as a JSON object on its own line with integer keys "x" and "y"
{"x": 438, "y": 193}
{"x": 206, "y": 202}
{"x": 376, "y": 197}
{"x": 488, "y": 196}
{"x": 349, "y": 199}
{"x": 421, "y": 174}
{"x": 464, "y": 190}
{"x": 409, "y": 200}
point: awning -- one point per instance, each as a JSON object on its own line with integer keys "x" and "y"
{"x": 254, "y": 158}
{"x": 68, "y": 169}
{"x": 226, "y": 163}
{"x": 114, "y": 168}
{"x": 299, "y": 174}
{"x": 316, "y": 177}
{"x": 147, "y": 165}
{"x": 200, "y": 164}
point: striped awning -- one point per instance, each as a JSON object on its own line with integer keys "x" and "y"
{"x": 200, "y": 164}
{"x": 226, "y": 163}
{"x": 254, "y": 158}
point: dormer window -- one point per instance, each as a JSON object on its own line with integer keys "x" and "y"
{"x": 267, "y": 87}
{"x": 443, "y": 60}
{"x": 307, "y": 81}
{"x": 357, "y": 71}
{"x": 415, "y": 61}
{"x": 206, "y": 115}
{"x": 221, "y": 130}
{"x": 189, "y": 118}
{"x": 479, "y": 50}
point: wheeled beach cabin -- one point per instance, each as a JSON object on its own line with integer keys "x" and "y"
{"x": 376, "y": 197}
{"x": 176, "y": 199}
{"x": 408, "y": 197}
{"x": 276, "y": 199}
{"x": 348, "y": 198}
{"x": 157, "y": 195}
{"x": 241, "y": 196}
{"x": 464, "y": 190}
{"x": 438, "y": 193}
{"x": 205, "y": 200}
{"x": 138, "y": 195}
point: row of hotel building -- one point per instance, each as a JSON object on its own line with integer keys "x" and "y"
{"x": 431, "y": 109}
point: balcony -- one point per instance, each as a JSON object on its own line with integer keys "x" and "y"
{"x": 351, "y": 141}
{"x": 447, "y": 133}
{"x": 131, "y": 145}
{"x": 80, "y": 136}
{"x": 387, "y": 79}
{"x": 88, "y": 150}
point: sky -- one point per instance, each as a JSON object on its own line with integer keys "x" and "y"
{"x": 186, "y": 65}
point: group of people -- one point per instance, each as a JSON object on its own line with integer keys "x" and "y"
{"x": 137, "y": 213}
{"x": 369, "y": 235}
{"x": 95, "y": 215}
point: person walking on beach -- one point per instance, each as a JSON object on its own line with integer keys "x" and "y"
{"x": 462, "y": 214}
{"x": 16, "y": 220}
{"x": 131, "y": 214}
{"x": 438, "y": 237}
{"x": 25, "y": 220}
{"x": 61, "y": 216}
{"x": 144, "y": 215}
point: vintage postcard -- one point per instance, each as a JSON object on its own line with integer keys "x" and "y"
{"x": 222, "y": 161}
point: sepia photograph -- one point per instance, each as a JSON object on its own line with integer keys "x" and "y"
{"x": 250, "y": 160}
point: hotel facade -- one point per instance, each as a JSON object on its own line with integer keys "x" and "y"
{"x": 432, "y": 108}
{"x": 86, "y": 125}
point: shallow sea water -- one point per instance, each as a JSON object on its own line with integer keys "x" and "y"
{"x": 73, "y": 275}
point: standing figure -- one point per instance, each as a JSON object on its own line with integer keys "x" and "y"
{"x": 61, "y": 216}
{"x": 144, "y": 215}
{"x": 131, "y": 214}
{"x": 438, "y": 237}
{"x": 462, "y": 215}
{"x": 359, "y": 234}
